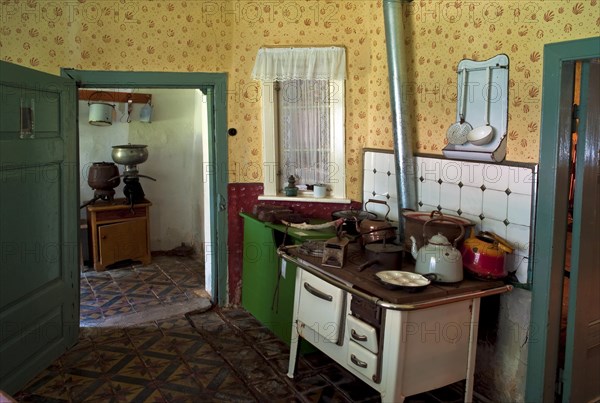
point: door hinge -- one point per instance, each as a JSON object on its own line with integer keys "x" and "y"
{"x": 574, "y": 118}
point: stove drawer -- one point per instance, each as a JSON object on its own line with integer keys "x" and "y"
{"x": 362, "y": 360}
{"x": 321, "y": 307}
{"x": 362, "y": 333}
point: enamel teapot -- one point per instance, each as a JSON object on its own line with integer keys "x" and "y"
{"x": 439, "y": 257}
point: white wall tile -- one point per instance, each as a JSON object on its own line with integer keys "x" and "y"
{"x": 522, "y": 269}
{"x": 368, "y": 181}
{"x": 495, "y": 176}
{"x": 381, "y": 183}
{"x": 472, "y": 174}
{"x": 495, "y": 204}
{"x": 517, "y": 264}
{"x": 451, "y": 171}
{"x": 427, "y": 207}
{"x": 369, "y": 160}
{"x": 496, "y": 226}
{"x": 418, "y": 162}
{"x": 519, "y": 209}
{"x": 471, "y": 200}
{"x": 392, "y": 186}
{"x": 431, "y": 193}
{"x": 518, "y": 236}
{"x": 450, "y": 197}
{"x": 521, "y": 180}
{"x": 382, "y": 162}
{"x": 430, "y": 168}
{"x": 474, "y": 219}
{"x": 394, "y": 210}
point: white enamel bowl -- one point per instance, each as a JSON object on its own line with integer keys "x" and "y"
{"x": 481, "y": 135}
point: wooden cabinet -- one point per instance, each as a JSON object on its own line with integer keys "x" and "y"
{"x": 118, "y": 232}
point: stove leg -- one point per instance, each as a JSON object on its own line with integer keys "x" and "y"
{"x": 293, "y": 350}
{"x": 472, "y": 350}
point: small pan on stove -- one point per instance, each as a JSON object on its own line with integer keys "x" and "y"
{"x": 404, "y": 280}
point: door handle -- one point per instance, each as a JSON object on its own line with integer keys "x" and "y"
{"x": 317, "y": 293}
{"x": 357, "y": 337}
{"x": 358, "y": 362}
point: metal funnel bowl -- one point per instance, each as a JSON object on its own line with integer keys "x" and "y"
{"x": 130, "y": 154}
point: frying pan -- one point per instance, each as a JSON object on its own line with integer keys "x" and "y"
{"x": 458, "y": 131}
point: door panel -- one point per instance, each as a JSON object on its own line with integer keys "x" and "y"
{"x": 39, "y": 273}
{"x": 582, "y": 352}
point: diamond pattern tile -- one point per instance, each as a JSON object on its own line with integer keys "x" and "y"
{"x": 222, "y": 354}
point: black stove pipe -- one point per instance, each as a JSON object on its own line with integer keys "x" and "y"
{"x": 403, "y": 145}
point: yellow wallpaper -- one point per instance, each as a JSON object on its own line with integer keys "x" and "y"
{"x": 221, "y": 35}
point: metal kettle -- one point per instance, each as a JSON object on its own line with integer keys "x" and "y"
{"x": 439, "y": 257}
{"x": 483, "y": 255}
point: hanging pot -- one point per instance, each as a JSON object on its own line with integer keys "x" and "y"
{"x": 101, "y": 114}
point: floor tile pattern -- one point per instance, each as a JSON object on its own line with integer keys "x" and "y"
{"x": 214, "y": 355}
{"x": 132, "y": 288}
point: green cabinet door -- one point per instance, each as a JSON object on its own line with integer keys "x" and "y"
{"x": 267, "y": 291}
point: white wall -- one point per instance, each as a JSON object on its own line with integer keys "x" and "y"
{"x": 173, "y": 146}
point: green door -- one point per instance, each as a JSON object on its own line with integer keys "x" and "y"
{"x": 39, "y": 274}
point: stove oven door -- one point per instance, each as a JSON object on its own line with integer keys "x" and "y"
{"x": 321, "y": 308}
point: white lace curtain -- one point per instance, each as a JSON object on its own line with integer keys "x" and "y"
{"x": 280, "y": 64}
{"x": 306, "y": 94}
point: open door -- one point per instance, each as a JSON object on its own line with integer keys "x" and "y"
{"x": 582, "y": 358}
{"x": 39, "y": 273}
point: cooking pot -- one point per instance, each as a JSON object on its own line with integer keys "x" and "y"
{"x": 373, "y": 230}
{"x": 483, "y": 255}
{"x": 352, "y": 218}
{"x": 438, "y": 256}
{"x": 414, "y": 222}
{"x": 383, "y": 254}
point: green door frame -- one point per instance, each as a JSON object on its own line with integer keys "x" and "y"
{"x": 551, "y": 213}
{"x": 214, "y": 86}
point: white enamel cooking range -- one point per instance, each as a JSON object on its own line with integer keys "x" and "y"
{"x": 398, "y": 342}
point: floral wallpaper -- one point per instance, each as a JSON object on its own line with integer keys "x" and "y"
{"x": 224, "y": 36}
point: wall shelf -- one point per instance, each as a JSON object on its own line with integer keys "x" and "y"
{"x": 114, "y": 96}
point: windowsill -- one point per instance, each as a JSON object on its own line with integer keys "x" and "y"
{"x": 307, "y": 199}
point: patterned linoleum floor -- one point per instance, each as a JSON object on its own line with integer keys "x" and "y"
{"x": 207, "y": 355}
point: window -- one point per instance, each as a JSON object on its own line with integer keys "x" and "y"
{"x": 303, "y": 119}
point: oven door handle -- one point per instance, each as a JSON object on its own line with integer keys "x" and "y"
{"x": 357, "y": 337}
{"x": 317, "y": 293}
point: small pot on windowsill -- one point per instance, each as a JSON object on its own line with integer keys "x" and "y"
{"x": 319, "y": 190}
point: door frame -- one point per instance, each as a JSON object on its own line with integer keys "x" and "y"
{"x": 214, "y": 86}
{"x": 551, "y": 213}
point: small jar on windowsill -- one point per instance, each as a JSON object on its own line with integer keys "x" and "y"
{"x": 319, "y": 190}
